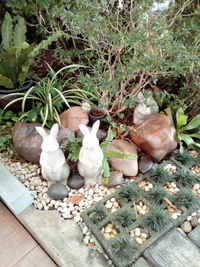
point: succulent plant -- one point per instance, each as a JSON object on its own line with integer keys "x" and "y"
{"x": 157, "y": 219}
{"x": 123, "y": 248}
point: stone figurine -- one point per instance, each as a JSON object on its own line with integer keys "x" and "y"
{"x": 54, "y": 166}
{"x": 91, "y": 155}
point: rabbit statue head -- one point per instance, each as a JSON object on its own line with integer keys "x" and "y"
{"x": 91, "y": 155}
{"x": 52, "y": 160}
{"x": 50, "y": 143}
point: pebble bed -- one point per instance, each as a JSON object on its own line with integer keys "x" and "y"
{"x": 78, "y": 200}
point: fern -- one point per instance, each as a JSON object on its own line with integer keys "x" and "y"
{"x": 72, "y": 146}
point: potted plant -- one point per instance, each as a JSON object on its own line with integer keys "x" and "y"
{"x": 96, "y": 113}
{"x": 16, "y": 56}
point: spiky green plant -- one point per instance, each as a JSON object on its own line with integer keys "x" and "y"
{"x": 187, "y": 199}
{"x": 125, "y": 218}
{"x": 157, "y": 219}
{"x": 186, "y": 159}
{"x": 158, "y": 174}
{"x": 186, "y": 178}
{"x": 98, "y": 214}
{"x": 158, "y": 193}
{"x": 128, "y": 192}
{"x": 123, "y": 248}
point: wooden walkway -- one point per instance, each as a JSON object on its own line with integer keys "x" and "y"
{"x": 17, "y": 247}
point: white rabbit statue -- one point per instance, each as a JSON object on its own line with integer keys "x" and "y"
{"x": 54, "y": 166}
{"x": 90, "y": 156}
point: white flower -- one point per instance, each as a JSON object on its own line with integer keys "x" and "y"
{"x": 86, "y": 106}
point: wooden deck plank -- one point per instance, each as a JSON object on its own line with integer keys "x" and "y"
{"x": 16, "y": 244}
{"x": 37, "y": 258}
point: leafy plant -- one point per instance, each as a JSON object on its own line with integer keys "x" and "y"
{"x": 157, "y": 219}
{"x": 72, "y": 146}
{"x": 159, "y": 174}
{"x": 98, "y": 214}
{"x": 128, "y": 192}
{"x": 157, "y": 194}
{"x": 187, "y": 199}
{"x": 123, "y": 248}
{"x": 49, "y": 97}
{"x": 186, "y": 159}
{"x": 5, "y": 142}
{"x": 125, "y": 218}
{"x": 16, "y": 55}
{"x": 183, "y": 126}
{"x": 186, "y": 178}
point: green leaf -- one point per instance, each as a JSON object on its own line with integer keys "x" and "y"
{"x": 187, "y": 139}
{"x": 181, "y": 119}
{"x": 7, "y": 31}
{"x": 194, "y": 123}
{"x": 168, "y": 111}
{"x": 19, "y": 35}
{"x": 106, "y": 168}
{"x": 195, "y": 135}
{"x": 4, "y": 81}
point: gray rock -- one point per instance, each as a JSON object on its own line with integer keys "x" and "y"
{"x": 75, "y": 181}
{"x": 194, "y": 221}
{"x": 101, "y": 134}
{"x": 64, "y": 134}
{"x": 145, "y": 164}
{"x": 57, "y": 191}
{"x": 186, "y": 227}
{"x": 128, "y": 167}
{"x": 116, "y": 178}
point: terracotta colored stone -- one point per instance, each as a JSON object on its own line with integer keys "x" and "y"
{"x": 128, "y": 167}
{"x": 156, "y": 136}
{"x": 72, "y": 117}
{"x": 27, "y": 142}
{"x": 76, "y": 199}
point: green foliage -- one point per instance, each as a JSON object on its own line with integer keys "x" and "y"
{"x": 157, "y": 194}
{"x": 72, "y": 146}
{"x": 128, "y": 192}
{"x": 186, "y": 159}
{"x": 5, "y": 142}
{"x": 183, "y": 127}
{"x": 49, "y": 97}
{"x": 98, "y": 214}
{"x": 158, "y": 174}
{"x": 187, "y": 199}
{"x": 125, "y": 218}
{"x": 123, "y": 248}
{"x": 186, "y": 178}
{"x": 16, "y": 55}
{"x": 157, "y": 219}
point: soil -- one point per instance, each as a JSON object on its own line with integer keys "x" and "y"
{"x": 97, "y": 113}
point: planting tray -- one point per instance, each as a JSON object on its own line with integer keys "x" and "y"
{"x": 108, "y": 222}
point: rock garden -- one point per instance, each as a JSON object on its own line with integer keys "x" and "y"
{"x": 100, "y": 117}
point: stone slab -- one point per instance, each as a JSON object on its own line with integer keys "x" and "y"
{"x": 174, "y": 250}
{"x": 195, "y": 236}
{"x": 141, "y": 262}
{"x": 12, "y": 192}
{"x": 61, "y": 239}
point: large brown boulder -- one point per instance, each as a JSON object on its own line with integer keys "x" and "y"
{"x": 128, "y": 167}
{"x": 72, "y": 117}
{"x": 155, "y": 136}
{"x": 27, "y": 141}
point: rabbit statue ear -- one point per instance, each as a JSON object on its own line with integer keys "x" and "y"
{"x": 41, "y": 131}
{"x": 84, "y": 129}
{"x": 95, "y": 127}
{"x": 54, "y": 130}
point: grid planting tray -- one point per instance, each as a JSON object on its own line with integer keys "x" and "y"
{"x": 123, "y": 246}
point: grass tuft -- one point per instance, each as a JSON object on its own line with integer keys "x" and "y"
{"x": 128, "y": 192}
{"x": 157, "y": 193}
{"x": 157, "y": 219}
{"x": 186, "y": 178}
{"x": 125, "y": 218}
{"x": 186, "y": 159}
{"x": 97, "y": 215}
{"x": 187, "y": 199}
{"x": 160, "y": 175}
{"x": 123, "y": 248}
